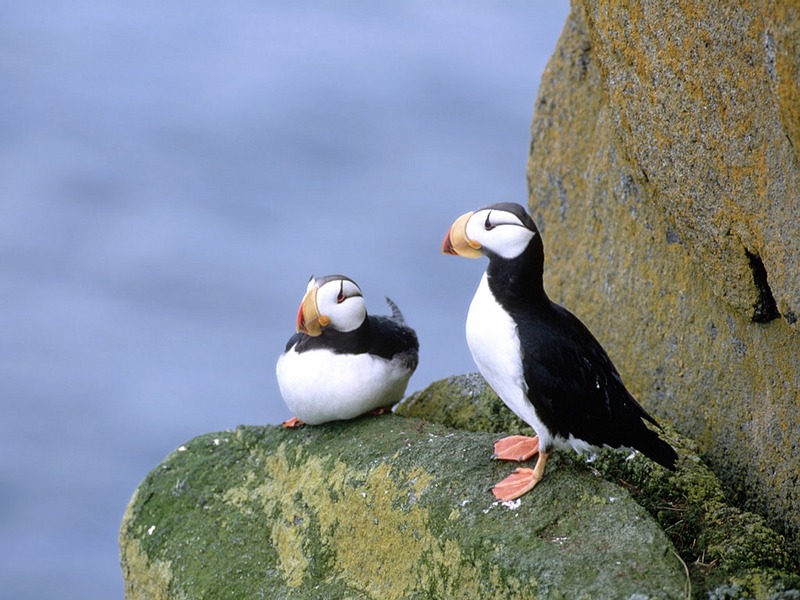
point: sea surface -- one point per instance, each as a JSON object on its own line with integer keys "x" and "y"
{"x": 172, "y": 173}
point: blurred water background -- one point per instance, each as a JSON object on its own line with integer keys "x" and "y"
{"x": 170, "y": 176}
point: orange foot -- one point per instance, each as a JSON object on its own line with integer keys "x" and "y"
{"x": 293, "y": 423}
{"x": 516, "y": 447}
{"x": 381, "y": 411}
{"x": 521, "y": 481}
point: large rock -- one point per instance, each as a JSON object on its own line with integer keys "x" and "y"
{"x": 385, "y": 507}
{"x": 664, "y": 176}
{"x": 729, "y": 553}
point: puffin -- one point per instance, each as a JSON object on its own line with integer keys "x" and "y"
{"x": 342, "y": 362}
{"x": 541, "y": 360}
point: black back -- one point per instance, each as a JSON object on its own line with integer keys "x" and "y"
{"x": 381, "y": 336}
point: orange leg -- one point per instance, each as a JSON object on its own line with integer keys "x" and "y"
{"x": 521, "y": 481}
{"x": 293, "y": 423}
{"x": 516, "y": 447}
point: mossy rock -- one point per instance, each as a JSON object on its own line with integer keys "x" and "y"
{"x": 727, "y": 550}
{"x": 463, "y": 402}
{"x": 382, "y": 507}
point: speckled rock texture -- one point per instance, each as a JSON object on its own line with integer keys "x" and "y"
{"x": 382, "y": 507}
{"x": 664, "y": 177}
{"x": 729, "y": 553}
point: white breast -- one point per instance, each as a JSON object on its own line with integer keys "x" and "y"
{"x": 493, "y": 339}
{"x": 320, "y": 386}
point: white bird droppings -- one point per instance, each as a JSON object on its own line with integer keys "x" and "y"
{"x": 509, "y": 504}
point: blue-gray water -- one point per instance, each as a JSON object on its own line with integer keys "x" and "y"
{"x": 170, "y": 176}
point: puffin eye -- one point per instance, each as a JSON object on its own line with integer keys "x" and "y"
{"x": 488, "y": 225}
{"x": 340, "y": 297}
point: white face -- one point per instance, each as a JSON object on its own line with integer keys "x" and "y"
{"x": 499, "y": 231}
{"x": 342, "y": 302}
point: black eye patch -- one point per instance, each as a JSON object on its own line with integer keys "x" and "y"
{"x": 341, "y": 296}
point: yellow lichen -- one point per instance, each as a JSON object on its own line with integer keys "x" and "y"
{"x": 654, "y": 266}
{"x": 286, "y": 534}
{"x": 370, "y": 521}
{"x": 368, "y": 530}
{"x": 289, "y": 544}
{"x": 145, "y": 579}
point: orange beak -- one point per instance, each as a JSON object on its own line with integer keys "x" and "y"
{"x": 456, "y": 241}
{"x": 309, "y": 321}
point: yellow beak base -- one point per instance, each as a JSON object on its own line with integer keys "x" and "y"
{"x": 309, "y": 321}
{"x": 456, "y": 241}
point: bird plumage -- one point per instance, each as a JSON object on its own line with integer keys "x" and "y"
{"x": 326, "y": 373}
{"x": 540, "y": 358}
{"x": 576, "y": 390}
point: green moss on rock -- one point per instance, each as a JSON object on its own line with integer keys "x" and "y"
{"x": 721, "y": 544}
{"x": 462, "y": 402}
{"x": 385, "y": 507}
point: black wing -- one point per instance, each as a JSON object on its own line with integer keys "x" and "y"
{"x": 293, "y": 340}
{"x": 577, "y": 391}
{"x": 391, "y": 339}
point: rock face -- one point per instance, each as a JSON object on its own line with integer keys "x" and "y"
{"x": 664, "y": 176}
{"x": 385, "y": 507}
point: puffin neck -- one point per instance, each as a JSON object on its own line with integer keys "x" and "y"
{"x": 519, "y": 279}
{"x": 357, "y": 341}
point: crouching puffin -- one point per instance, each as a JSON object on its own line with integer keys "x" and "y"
{"x": 343, "y": 363}
{"x": 540, "y": 358}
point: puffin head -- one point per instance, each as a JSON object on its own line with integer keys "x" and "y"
{"x": 333, "y": 301}
{"x": 502, "y": 230}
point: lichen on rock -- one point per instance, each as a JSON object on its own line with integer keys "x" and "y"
{"x": 664, "y": 174}
{"x": 382, "y": 507}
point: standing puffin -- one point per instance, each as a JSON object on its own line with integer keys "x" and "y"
{"x": 540, "y": 359}
{"x": 342, "y": 363}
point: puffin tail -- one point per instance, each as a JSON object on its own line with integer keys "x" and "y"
{"x": 396, "y": 314}
{"x": 656, "y": 449}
